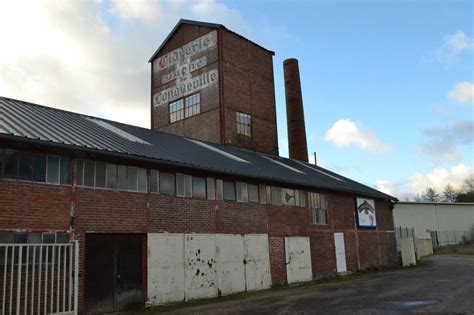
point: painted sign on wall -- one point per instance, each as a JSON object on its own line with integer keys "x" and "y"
{"x": 186, "y": 60}
{"x": 366, "y": 212}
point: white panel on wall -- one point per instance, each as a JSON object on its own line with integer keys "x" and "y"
{"x": 165, "y": 268}
{"x": 230, "y": 266}
{"x": 340, "y": 249}
{"x": 200, "y": 270}
{"x": 298, "y": 259}
{"x": 257, "y": 262}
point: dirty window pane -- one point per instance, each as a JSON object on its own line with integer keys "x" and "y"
{"x": 11, "y": 164}
{"x": 253, "y": 193}
{"x": 141, "y": 180}
{"x": 65, "y": 179}
{"x": 219, "y": 189}
{"x": 229, "y": 191}
{"x": 121, "y": 177}
{"x": 180, "y": 185}
{"x": 62, "y": 238}
{"x": 34, "y": 238}
{"x": 167, "y": 183}
{"x": 6, "y": 238}
{"x": 211, "y": 189}
{"x": 79, "y": 172}
{"x": 188, "y": 185}
{"x": 1, "y": 162}
{"x": 53, "y": 170}
{"x": 21, "y": 238}
{"x": 269, "y": 194}
{"x": 39, "y": 168}
{"x": 302, "y": 199}
{"x": 24, "y": 168}
{"x": 111, "y": 176}
{"x": 241, "y": 192}
{"x": 154, "y": 177}
{"x": 276, "y": 196}
{"x": 49, "y": 238}
{"x": 100, "y": 174}
{"x": 199, "y": 187}
{"x": 263, "y": 194}
{"x": 132, "y": 178}
{"x": 89, "y": 173}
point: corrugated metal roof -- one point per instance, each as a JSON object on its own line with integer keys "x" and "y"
{"x": 47, "y": 125}
{"x": 203, "y": 24}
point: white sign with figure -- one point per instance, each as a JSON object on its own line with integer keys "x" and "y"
{"x": 366, "y": 213}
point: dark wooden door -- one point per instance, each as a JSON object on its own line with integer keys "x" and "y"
{"x": 114, "y": 272}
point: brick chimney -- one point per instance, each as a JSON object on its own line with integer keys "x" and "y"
{"x": 297, "y": 146}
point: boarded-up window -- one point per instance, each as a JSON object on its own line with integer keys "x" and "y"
{"x": 288, "y": 197}
{"x": 276, "y": 196}
{"x": 141, "y": 180}
{"x": 242, "y": 192}
{"x": 263, "y": 193}
{"x": 132, "y": 178}
{"x": 253, "y": 193}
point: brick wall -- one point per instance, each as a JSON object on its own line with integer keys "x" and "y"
{"x": 41, "y": 207}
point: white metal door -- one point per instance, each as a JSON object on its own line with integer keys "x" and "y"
{"x": 39, "y": 278}
{"x": 340, "y": 252}
{"x": 298, "y": 259}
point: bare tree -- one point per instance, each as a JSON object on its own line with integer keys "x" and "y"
{"x": 430, "y": 195}
{"x": 449, "y": 194}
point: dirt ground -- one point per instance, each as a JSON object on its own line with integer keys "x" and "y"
{"x": 442, "y": 284}
{"x": 467, "y": 249}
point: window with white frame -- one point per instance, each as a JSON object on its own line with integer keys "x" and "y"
{"x": 244, "y": 124}
{"x": 176, "y": 111}
{"x": 193, "y": 105}
{"x": 318, "y": 205}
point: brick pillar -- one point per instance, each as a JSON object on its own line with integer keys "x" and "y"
{"x": 297, "y": 146}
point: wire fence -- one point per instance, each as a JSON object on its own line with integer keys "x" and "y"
{"x": 444, "y": 238}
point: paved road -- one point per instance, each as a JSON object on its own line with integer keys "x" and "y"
{"x": 446, "y": 284}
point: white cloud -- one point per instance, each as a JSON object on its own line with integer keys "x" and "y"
{"x": 462, "y": 93}
{"x": 146, "y": 11}
{"x": 438, "y": 178}
{"x": 386, "y": 187}
{"x": 453, "y": 46}
{"x": 345, "y": 133}
{"x": 88, "y": 56}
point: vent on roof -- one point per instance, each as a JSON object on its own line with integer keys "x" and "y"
{"x": 117, "y": 131}
{"x": 230, "y": 156}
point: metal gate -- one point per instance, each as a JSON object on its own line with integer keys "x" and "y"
{"x": 39, "y": 278}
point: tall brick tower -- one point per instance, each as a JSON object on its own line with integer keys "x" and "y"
{"x": 211, "y": 84}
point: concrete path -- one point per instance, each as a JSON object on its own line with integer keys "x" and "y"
{"x": 445, "y": 284}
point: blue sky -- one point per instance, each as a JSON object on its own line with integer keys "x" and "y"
{"x": 387, "y": 85}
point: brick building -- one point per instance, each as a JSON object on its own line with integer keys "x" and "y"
{"x": 198, "y": 206}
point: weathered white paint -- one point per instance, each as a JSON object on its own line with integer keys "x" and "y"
{"x": 424, "y": 247}
{"x": 230, "y": 267}
{"x": 340, "y": 252}
{"x": 192, "y": 266}
{"x": 200, "y": 270}
{"x": 434, "y": 216}
{"x": 165, "y": 268}
{"x": 407, "y": 249}
{"x": 298, "y": 259}
{"x": 257, "y": 262}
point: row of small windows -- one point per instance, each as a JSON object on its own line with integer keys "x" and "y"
{"x": 185, "y": 107}
{"x": 110, "y": 176}
{"x": 183, "y": 185}
{"x": 42, "y": 168}
{"x": 95, "y": 174}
